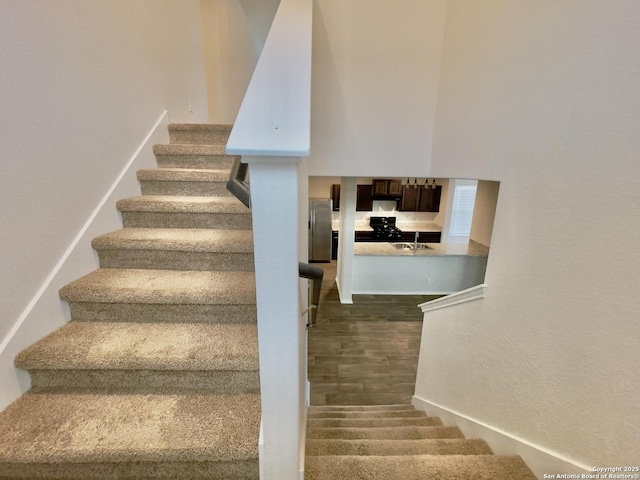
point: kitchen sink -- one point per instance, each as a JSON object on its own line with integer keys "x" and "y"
{"x": 411, "y": 246}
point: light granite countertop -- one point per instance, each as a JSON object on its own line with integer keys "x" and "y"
{"x": 408, "y": 226}
{"x": 472, "y": 249}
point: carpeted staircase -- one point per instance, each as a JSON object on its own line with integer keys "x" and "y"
{"x": 156, "y": 375}
{"x": 397, "y": 442}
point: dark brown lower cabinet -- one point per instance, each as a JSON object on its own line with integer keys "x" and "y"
{"x": 429, "y": 237}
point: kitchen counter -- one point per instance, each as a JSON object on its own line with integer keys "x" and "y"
{"x": 472, "y": 249}
{"x": 408, "y": 226}
{"x": 380, "y": 268}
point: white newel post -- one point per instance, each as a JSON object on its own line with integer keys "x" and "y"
{"x": 274, "y": 205}
{"x": 348, "y": 197}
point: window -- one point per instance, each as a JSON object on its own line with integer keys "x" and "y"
{"x": 461, "y": 213}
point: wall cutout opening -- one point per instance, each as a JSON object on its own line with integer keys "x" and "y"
{"x": 410, "y": 236}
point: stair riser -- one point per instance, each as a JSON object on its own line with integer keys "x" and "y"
{"x": 360, "y": 399}
{"x": 373, "y": 423}
{"x": 171, "y": 260}
{"x": 417, "y": 467}
{"x": 397, "y": 447}
{"x": 134, "y": 470}
{"x": 360, "y": 370}
{"x": 198, "y": 189}
{"x": 145, "y": 312}
{"x": 198, "y": 137}
{"x": 144, "y": 381}
{"x": 206, "y": 162}
{"x": 399, "y": 433}
{"x": 220, "y": 221}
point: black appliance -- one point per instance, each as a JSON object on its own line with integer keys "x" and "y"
{"x": 384, "y": 229}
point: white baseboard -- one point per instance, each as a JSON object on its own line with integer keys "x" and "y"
{"x": 539, "y": 459}
{"x": 261, "y": 454}
{"x": 45, "y": 312}
{"x": 303, "y": 440}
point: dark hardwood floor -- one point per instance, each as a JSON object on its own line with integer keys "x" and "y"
{"x": 365, "y": 353}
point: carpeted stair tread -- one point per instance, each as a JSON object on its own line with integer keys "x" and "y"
{"x": 189, "y": 150}
{"x": 373, "y": 422}
{"x": 182, "y": 175}
{"x": 388, "y": 433}
{"x": 417, "y": 467}
{"x": 116, "y": 285}
{"x": 185, "y": 211}
{"x": 359, "y": 408}
{"x": 370, "y": 414}
{"x": 129, "y": 428}
{"x": 211, "y": 134}
{"x": 182, "y": 204}
{"x": 397, "y": 447}
{"x": 177, "y": 239}
{"x": 162, "y": 346}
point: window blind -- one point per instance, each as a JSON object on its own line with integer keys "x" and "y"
{"x": 464, "y": 198}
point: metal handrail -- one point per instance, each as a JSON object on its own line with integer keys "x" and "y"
{"x": 237, "y": 184}
{"x": 239, "y": 188}
{"x": 314, "y": 274}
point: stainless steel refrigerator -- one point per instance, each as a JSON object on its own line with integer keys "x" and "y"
{"x": 319, "y": 230}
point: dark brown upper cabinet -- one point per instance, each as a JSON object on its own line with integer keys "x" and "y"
{"x": 429, "y": 199}
{"x": 409, "y": 200}
{"x": 420, "y": 199}
{"x": 386, "y": 189}
{"x": 364, "y": 197}
{"x": 335, "y": 196}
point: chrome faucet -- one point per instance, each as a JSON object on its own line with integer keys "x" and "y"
{"x": 415, "y": 242}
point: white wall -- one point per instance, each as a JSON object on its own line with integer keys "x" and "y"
{"x": 375, "y": 77}
{"x": 234, "y": 32}
{"x": 542, "y": 96}
{"x": 484, "y": 212}
{"x": 82, "y": 85}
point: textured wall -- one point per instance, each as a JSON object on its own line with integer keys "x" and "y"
{"x": 375, "y": 77}
{"x": 82, "y": 84}
{"x": 543, "y": 96}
